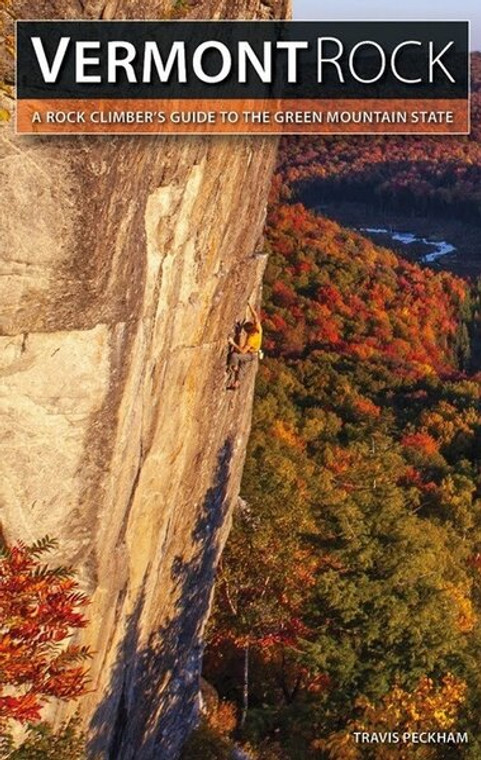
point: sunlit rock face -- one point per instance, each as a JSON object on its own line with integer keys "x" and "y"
{"x": 125, "y": 263}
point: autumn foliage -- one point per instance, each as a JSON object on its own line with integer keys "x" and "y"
{"x": 428, "y": 705}
{"x": 40, "y": 608}
{"x": 331, "y": 288}
{"x": 352, "y": 575}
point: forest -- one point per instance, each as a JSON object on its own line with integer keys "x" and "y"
{"x": 349, "y": 596}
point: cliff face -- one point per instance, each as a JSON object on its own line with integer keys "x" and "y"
{"x": 125, "y": 265}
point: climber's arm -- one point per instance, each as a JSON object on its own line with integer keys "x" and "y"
{"x": 254, "y": 315}
{"x": 238, "y": 348}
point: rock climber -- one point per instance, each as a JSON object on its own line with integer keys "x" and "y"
{"x": 247, "y": 349}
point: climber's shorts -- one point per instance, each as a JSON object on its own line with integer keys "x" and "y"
{"x": 238, "y": 361}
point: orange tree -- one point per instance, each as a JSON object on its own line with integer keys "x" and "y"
{"x": 40, "y": 608}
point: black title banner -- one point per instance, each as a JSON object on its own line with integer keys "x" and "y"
{"x": 242, "y": 60}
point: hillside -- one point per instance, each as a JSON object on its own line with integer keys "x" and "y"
{"x": 351, "y": 581}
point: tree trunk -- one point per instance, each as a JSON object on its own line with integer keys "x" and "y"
{"x": 245, "y": 691}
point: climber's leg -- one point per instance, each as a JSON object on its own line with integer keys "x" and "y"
{"x": 233, "y": 370}
{"x": 241, "y": 362}
{"x": 235, "y": 360}
{"x": 246, "y": 359}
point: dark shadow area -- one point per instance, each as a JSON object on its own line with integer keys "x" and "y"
{"x": 110, "y": 716}
{"x": 153, "y": 698}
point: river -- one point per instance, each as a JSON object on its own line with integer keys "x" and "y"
{"x": 437, "y": 248}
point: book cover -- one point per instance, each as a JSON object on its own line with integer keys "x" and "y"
{"x": 240, "y": 510}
